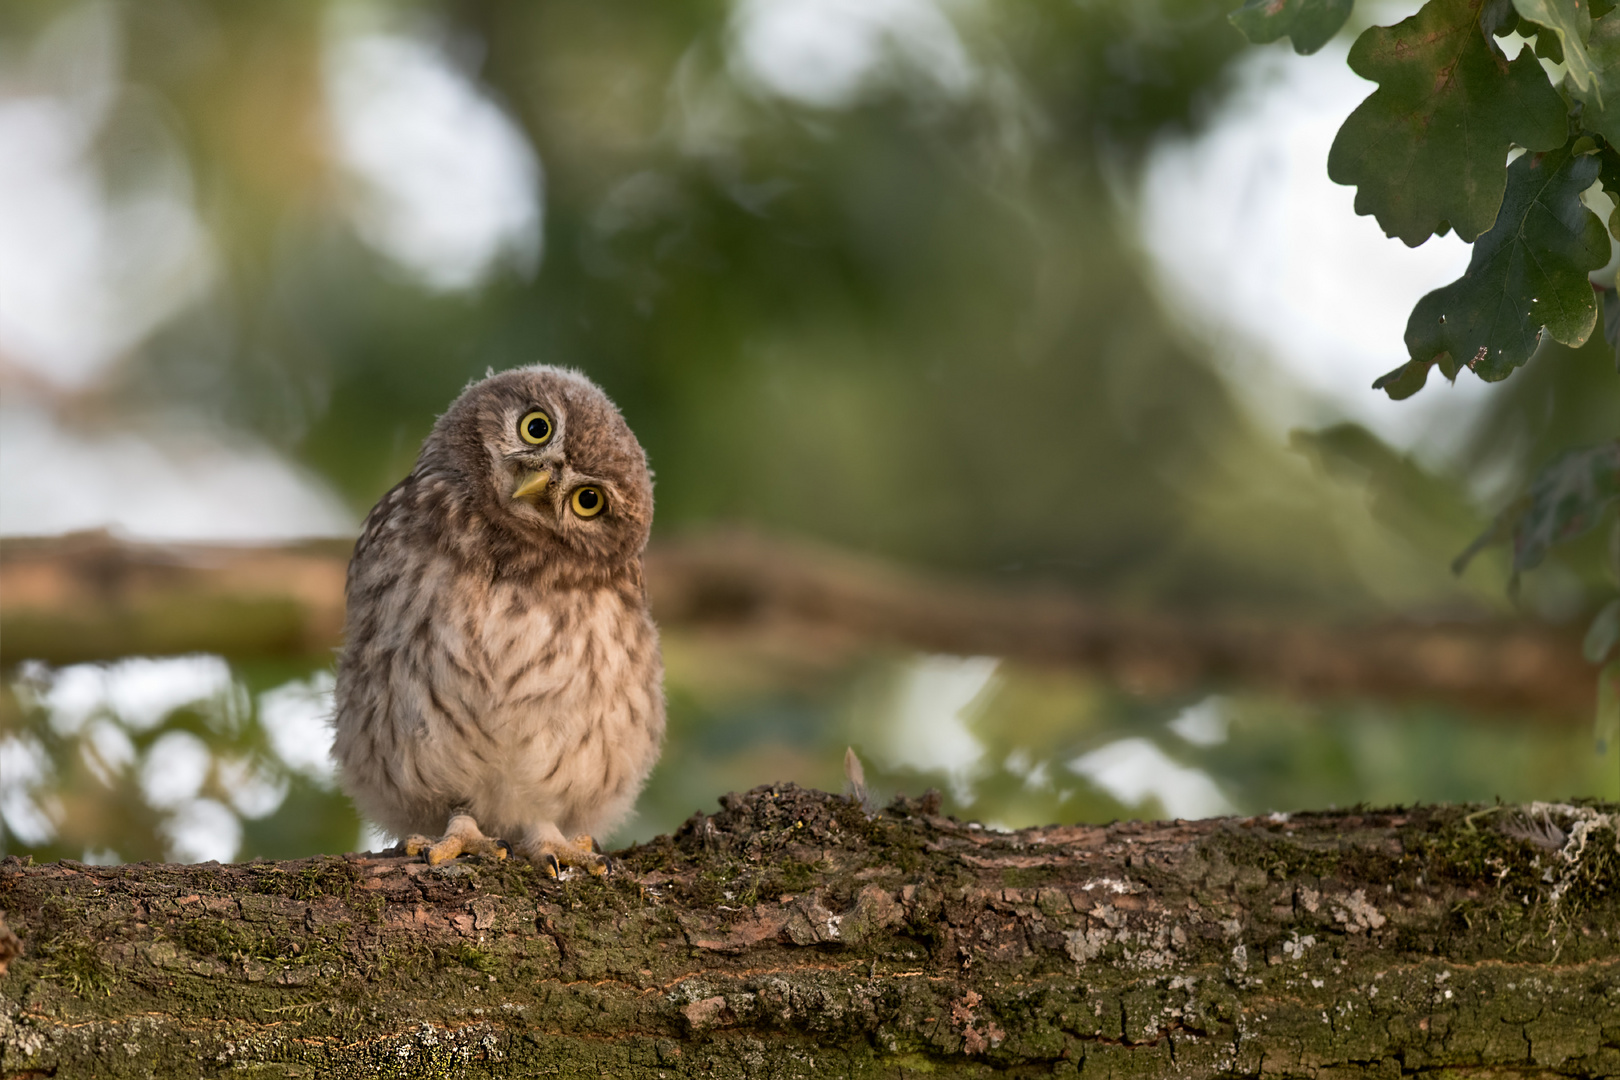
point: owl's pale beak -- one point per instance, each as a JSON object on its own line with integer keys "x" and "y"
{"x": 532, "y": 484}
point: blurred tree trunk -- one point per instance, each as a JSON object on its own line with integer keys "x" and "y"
{"x": 795, "y": 934}
{"x": 90, "y": 597}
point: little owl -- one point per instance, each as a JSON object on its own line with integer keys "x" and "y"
{"x": 500, "y": 675}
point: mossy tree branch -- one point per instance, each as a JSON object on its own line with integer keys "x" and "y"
{"x": 796, "y": 934}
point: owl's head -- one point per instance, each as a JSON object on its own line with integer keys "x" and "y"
{"x": 542, "y": 456}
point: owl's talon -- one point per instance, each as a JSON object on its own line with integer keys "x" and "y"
{"x": 580, "y": 852}
{"x": 602, "y": 865}
{"x": 462, "y": 837}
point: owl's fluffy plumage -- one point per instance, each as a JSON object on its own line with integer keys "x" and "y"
{"x": 499, "y": 660}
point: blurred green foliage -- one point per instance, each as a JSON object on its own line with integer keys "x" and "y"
{"x": 906, "y": 325}
{"x": 914, "y": 321}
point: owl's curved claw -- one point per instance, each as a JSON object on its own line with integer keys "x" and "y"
{"x": 587, "y": 843}
{"x": 462, "y": 837}
{"x": 582, "y": 851}
{"x": 601, "y": 864}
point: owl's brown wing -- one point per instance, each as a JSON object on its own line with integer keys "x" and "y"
{"x": 383, "y": 520}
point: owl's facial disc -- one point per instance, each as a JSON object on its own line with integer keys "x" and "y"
{"x": 531, "y": 485}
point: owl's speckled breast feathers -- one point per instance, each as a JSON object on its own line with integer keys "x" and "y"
{"x": 501, "y": 672}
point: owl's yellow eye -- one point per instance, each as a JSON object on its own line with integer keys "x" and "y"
{"x": 535, "y": 428}
{"x": 588, "y": 501}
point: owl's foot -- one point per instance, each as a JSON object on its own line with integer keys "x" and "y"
{"x": 555, "y": 853}
{"x": 461, "y": 837}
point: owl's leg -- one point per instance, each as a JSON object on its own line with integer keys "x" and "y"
{"x": 461, "y": 837}
{"x": 547, "y": 846}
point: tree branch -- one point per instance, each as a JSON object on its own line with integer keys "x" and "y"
{"x": 794, "y": 934}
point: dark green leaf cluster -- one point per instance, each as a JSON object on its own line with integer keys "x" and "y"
{"x": 1567, "y": 498}
{"x": 1308, "y": 23}
{"x": 1570, "y": 496}
{"x": 1429, "y": 152}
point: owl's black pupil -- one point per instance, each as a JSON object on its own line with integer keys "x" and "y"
{"x": 538, "y": 428}
{"x": 587, "y": 500}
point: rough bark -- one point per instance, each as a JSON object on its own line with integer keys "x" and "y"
{"x": 796, "y": 934}
{"x": 90, "y": 597}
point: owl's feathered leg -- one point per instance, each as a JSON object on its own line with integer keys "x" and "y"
{"x": 461, "y": 837}
{"x": 547, "y": 846}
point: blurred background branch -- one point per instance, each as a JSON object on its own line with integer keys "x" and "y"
{"x": 93, "y": 597}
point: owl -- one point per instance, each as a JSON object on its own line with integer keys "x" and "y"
{"x": 500, "y": 683}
